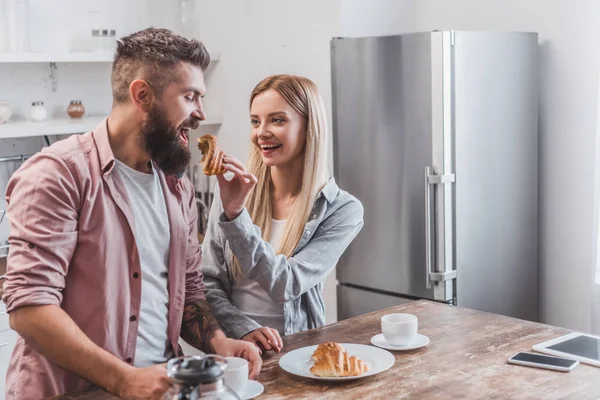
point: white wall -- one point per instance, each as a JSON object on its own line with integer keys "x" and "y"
{"x": 570, "y": 60}
{"x": 359, "y": 18}
{"x": 256, "y": 39}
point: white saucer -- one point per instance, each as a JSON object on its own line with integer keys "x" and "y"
{"x": 420, "y": 341}
{"x": 251, "y": 390}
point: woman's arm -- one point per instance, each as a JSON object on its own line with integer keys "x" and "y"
{"x": 217, "y": 282}
{"x": 286, "y": 279}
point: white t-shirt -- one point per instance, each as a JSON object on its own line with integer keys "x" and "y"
{"x": 252, "y": 300}
{"x": 152, "y": 237}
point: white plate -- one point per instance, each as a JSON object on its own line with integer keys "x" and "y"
{"x": 251, "y": 390}
{"x": 298, "y": 362}
{"x": 420, "y": 341}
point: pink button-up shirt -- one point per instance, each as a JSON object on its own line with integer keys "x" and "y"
{"x": 72, "y": 245}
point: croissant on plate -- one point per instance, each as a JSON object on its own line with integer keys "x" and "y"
{"x": 325, "y": 348}
{"x": 212, "y": 156}
{"x": 332, "y": 360}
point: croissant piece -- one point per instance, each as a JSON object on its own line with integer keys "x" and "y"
{"x": 325, "y": 348}
{"x": 331, "y": 360}
{"x": 212, "y": 156}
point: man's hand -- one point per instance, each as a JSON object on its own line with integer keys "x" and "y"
{"x": 235, "y": 192}
{"x": 201, "y": 330}
{"x": 239, "y": 348}
{"x": 265, "y": 338}
{"x": 144, "y": 383}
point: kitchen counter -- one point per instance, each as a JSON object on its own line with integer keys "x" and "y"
{"x": 466, "y": 359}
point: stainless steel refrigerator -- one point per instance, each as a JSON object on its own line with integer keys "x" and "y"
{"x": 437, "y": 135}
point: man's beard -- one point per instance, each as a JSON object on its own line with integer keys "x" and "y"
{"x": 163, "y": 142}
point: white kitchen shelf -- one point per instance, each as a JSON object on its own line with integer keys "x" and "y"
{"x": 62, "y": 126}
{"x": 56, "y": 57}
{"x": 90, "y": 57}
{"x": 55, "y": 126}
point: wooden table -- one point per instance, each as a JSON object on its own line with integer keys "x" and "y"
{"x": 466, "y": 359}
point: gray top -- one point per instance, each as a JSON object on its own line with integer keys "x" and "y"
{"x": 252, "y": 300}
{"x": 295, "y": 282}
{"x": 152, "y": 238}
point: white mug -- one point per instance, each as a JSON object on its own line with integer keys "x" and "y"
{"x": 236, "y": 374}
{"x": 399, "y": 329}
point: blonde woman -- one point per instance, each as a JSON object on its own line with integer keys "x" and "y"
{"x": 279, "y": 226}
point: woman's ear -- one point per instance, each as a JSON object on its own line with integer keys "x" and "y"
{"x": 141, "y": 95}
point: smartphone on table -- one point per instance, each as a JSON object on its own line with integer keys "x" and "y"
{"x": 543, "y": 361}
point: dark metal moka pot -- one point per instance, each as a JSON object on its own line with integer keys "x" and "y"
{"x": 198, "y": 377}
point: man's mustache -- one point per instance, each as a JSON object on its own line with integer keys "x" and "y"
{"x": 192, "y": 124}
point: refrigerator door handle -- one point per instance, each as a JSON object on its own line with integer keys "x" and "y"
{"x": 436, "y": 276}
{"x": 428, "y": 256}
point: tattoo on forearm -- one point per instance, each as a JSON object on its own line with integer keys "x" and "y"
{"x": 199, "y": 325}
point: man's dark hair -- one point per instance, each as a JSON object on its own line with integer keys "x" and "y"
{"x": 152, "y": 54}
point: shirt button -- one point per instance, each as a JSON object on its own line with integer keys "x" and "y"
{"x": 132, "y": 318}
{"x": 129, "y": 360}
{"x": 307, "y": 232}
{"x": 314, "y": 216}
{"x": 136, "y": 275}
{"x": 288, "y": 330}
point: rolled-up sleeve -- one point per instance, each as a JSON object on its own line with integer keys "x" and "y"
{"x": 43, "y": 200}
{"x": 194, "y": 282}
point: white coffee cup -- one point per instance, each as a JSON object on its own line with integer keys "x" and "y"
{"x": 236, "y": 374}
{"x": 399, "y": 329}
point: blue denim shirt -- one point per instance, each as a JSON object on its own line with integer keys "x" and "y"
{"x": 295, "y": 282}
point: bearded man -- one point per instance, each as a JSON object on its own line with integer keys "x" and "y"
{"x": 103, "y": 273}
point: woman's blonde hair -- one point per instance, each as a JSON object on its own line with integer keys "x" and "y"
{"x": 302, "y": 94}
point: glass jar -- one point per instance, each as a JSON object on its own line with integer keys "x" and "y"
{"x": 104, "y": 40}
{"x": 112, "y": 40}
{"x": 38, "y": 112}
{"x": 198, "y": 377}
{"x": 108, "y": 40}
{"x": 96, "y": 40}
{"x": 76, "y": 109}
{"x": 5, "y": 112}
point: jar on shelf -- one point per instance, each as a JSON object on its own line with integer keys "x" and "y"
{"x": 38, "y": 112}
{"x": 96, "y": 40}
{"x": 5, "y": 112}
{"x": 110, "y": 39}
{"x": 76, "y": 109}
{"x": 104, "y": 40}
